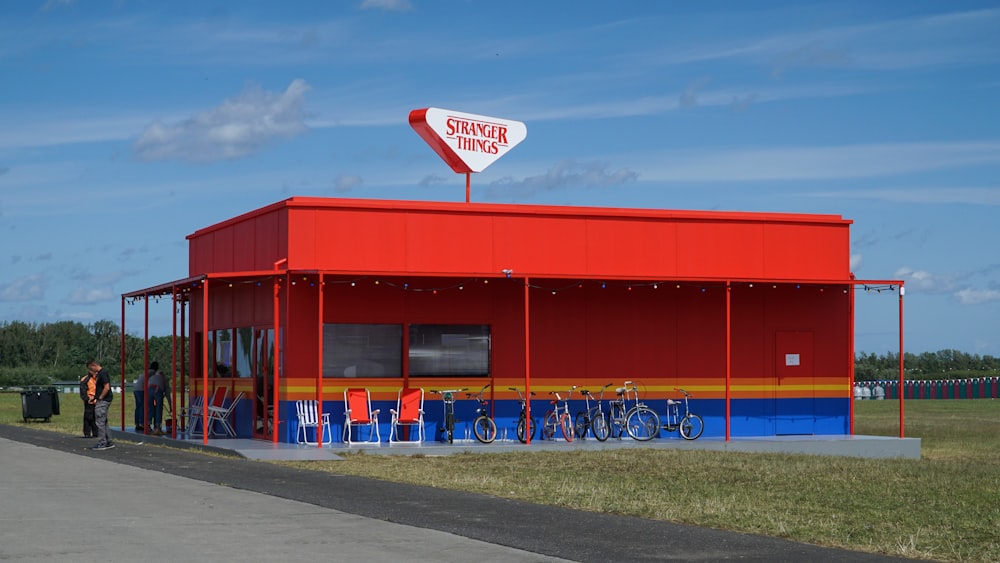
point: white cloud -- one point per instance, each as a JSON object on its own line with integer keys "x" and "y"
{"x": 387, "y": 5}
{"x": 89, "y": 296}
{"x": 856, "y": 261}
{"x": 563, "y": 174}
{"x": 25, "y": 288}
{"x": 345, "y": 183}
{"x": 970, "y": 296}
{"x": 240, "y": 126}
{"x": 925, "y": 281}
{"x": 973, "y": 196}
{"x": 802, "y": 163}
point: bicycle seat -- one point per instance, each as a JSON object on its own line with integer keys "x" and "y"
{"x": 673, "y": 402}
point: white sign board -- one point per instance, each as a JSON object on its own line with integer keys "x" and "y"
{"x": 466, "y": 141}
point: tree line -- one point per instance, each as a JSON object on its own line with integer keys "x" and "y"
{"x": 943, "y": 364}
{"x": 37, "y": 354}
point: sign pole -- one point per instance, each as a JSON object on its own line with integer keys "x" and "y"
{"x": 468, "y": 186}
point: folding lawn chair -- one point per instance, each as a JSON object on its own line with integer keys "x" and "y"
{"x": 358, "y": 413}
{"x": 409, "y": 412}
{"x": 308, "y": 414}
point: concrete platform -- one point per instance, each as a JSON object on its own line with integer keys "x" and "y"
{"x": 875, "y": 447}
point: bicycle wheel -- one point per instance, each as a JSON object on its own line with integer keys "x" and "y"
{"x": 524, "y": 434}
{"x": 581, "y": 424}
{"x": 599, "y": 426}
{"x": 642, "y": 423}
{"x": 485, "y": 429}
{"x": 449, "y": 427}
{"x": 616, "y": 419}
{"x": 566, "y": 426}
{"x": 692, "y": 427}
{"x": 549, "y": 425}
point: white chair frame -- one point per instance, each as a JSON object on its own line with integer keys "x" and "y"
{"x": 222, "y": 416}
{"x": 307, "y": 411}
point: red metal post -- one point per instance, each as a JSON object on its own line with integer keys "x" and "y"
{"x": 902, "y": 374}
{"x": 145, "y": 368}
{"x": 277, "y": 357}
{"x": 204, "y": 361}
{"x": 527, "y": 363}
{"x": 173, "y": 359}
{"x": 729, "y": 353}
{"x": 319, "y": 369}
{"x": 183, "y": 396}
{"x": 468, "y": 187}
{"x": 850, "y": 362}
{"x": 123, "y": 363}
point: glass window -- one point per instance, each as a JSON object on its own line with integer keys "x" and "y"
{"x": 244, "y": 352}
{"x": 449, "y": 350}
{"x": 362, "y": 350}
{"x": 224, "y": 353}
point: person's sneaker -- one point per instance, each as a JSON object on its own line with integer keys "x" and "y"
{"x": 103, "y": 446}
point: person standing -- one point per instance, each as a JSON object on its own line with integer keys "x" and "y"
{"x": 88, "y": 386}
{"x": 103, "y": 395}
{"x": 160, "y": 391}
{"x": 139, "y": 392}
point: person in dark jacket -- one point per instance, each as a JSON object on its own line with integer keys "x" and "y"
{"x": 88, "y": 386}
{"x": 103, "y": 395}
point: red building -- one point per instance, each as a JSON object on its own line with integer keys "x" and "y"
{"x": 751, "y": 312}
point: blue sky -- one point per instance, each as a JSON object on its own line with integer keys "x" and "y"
{"x": 127, "y": 125}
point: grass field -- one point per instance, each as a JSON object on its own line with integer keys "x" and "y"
{"x": 945, "y": 506}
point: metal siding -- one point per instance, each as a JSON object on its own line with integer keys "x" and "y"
{"x": 457, "y": 244}
{"x": 803, "y": 252}
{"x": 720, "y": 249}
{"x": 626, "y": 245}
{"x": 540, "y": 246}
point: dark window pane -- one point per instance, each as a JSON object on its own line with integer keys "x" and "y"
{"x": 449, "y": 350}
{"x": 362, "y": 350}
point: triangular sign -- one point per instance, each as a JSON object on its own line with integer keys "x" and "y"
{"x": 467, "y": 142}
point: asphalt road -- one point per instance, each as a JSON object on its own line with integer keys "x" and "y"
{"x": 141, "y": 502}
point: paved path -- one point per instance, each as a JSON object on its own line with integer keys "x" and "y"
{"x": 156, "y": 503}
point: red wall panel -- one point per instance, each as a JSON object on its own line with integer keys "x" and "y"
{"x": 481, "y": 239}
{"x": 719, "y": 249}
{"x": 629, "y": 245}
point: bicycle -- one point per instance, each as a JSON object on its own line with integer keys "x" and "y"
{"x": 448, "y": 401}
{"x": 559, "y": 417}
{"x": 592, "y": 417}
{"x": 484, "y": 426}
{"x": 690, "y": 425}
{"x": 638, "y": 420}
{"x": 525, "y": 428}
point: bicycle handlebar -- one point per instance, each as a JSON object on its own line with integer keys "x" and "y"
{"x": 452, "y": 391}
{"x": 519, "y": 392}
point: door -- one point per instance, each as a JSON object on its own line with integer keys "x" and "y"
{"x": 794, "y": 385}
{"x": 263, "y": 369}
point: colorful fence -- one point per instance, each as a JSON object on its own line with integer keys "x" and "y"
{"x": 976, "y": 388}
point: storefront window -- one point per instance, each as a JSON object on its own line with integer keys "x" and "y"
{"x": 449, "y": 350}
{"x": 224, "y": 353}
{"x": 362, "y": 350}
{"x": 244, "y": 352}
